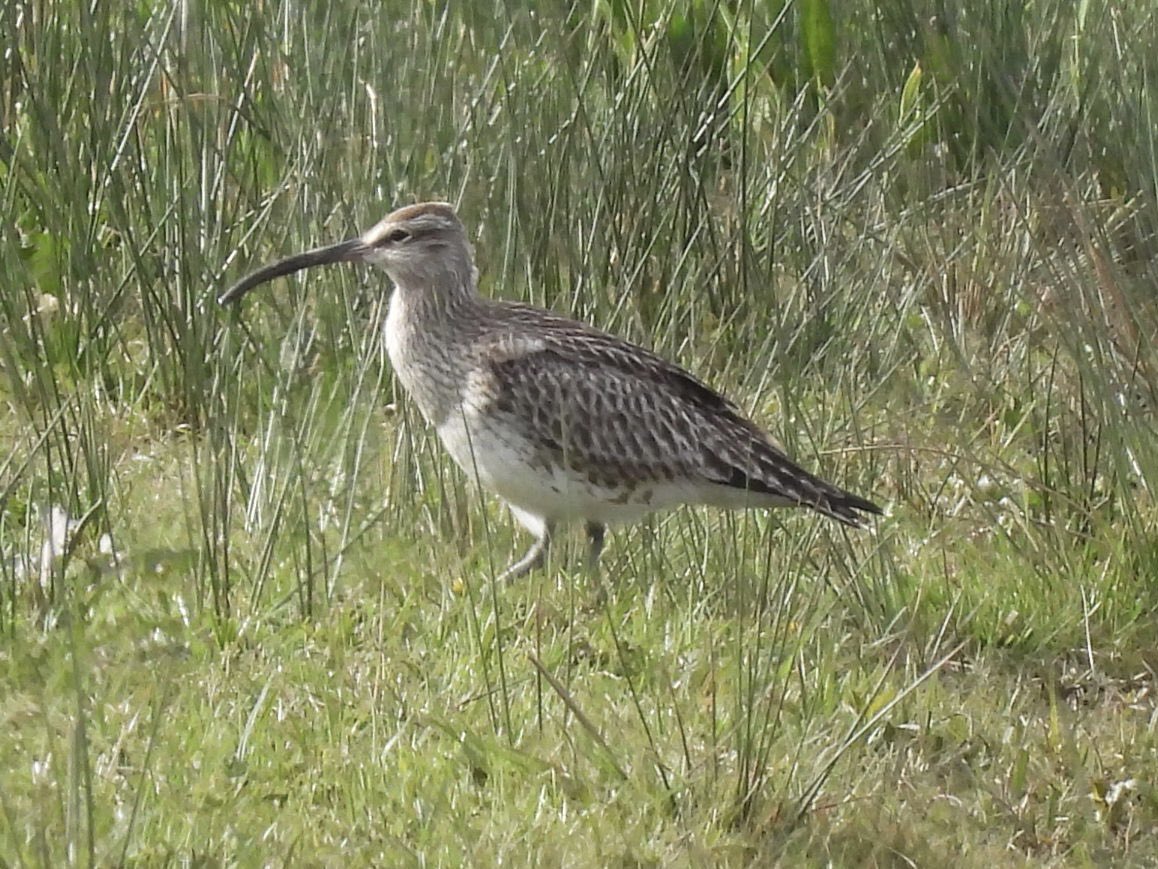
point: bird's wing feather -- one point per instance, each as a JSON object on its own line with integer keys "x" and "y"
{"x": 616, "y": 413}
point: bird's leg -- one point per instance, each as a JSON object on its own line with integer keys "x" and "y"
{"x": 595, "y": 532}
{"x": 595, "y": 545}
{"x": 532, "y": 560}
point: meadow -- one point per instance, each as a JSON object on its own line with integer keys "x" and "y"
{"x": 248, "y": 613}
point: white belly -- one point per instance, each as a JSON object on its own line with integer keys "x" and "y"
{"x": 507, "y": 465}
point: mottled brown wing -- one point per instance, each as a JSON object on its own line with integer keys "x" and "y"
{"x": 619, "y": 414}
{"x": 597, "y": 419}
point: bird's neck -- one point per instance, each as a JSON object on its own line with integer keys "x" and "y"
{"x": 428, "y": 331}
{"x": 434, "y": 296}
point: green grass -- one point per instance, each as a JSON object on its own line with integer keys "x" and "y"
{"x": 917, "y": 244}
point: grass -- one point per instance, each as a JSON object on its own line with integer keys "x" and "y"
{"x": 917, "y": 245}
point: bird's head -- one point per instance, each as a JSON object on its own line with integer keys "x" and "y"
{"x": 422, "y": 247}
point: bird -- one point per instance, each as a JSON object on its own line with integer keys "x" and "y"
{"x": 565, "y": 423}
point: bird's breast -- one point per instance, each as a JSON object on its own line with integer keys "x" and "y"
{"x": 427, "y": 361}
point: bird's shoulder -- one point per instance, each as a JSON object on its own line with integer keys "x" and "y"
{"x": 536, "y": 348}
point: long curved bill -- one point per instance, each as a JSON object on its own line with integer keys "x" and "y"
{"x": 351, "y": 250}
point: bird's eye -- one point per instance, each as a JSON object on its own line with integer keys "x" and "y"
{"x": 398, "y": 236}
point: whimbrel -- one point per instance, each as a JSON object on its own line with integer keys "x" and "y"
{"x": 562, "y": 421}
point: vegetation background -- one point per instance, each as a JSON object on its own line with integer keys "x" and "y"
{"x": 246, "y": 604}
